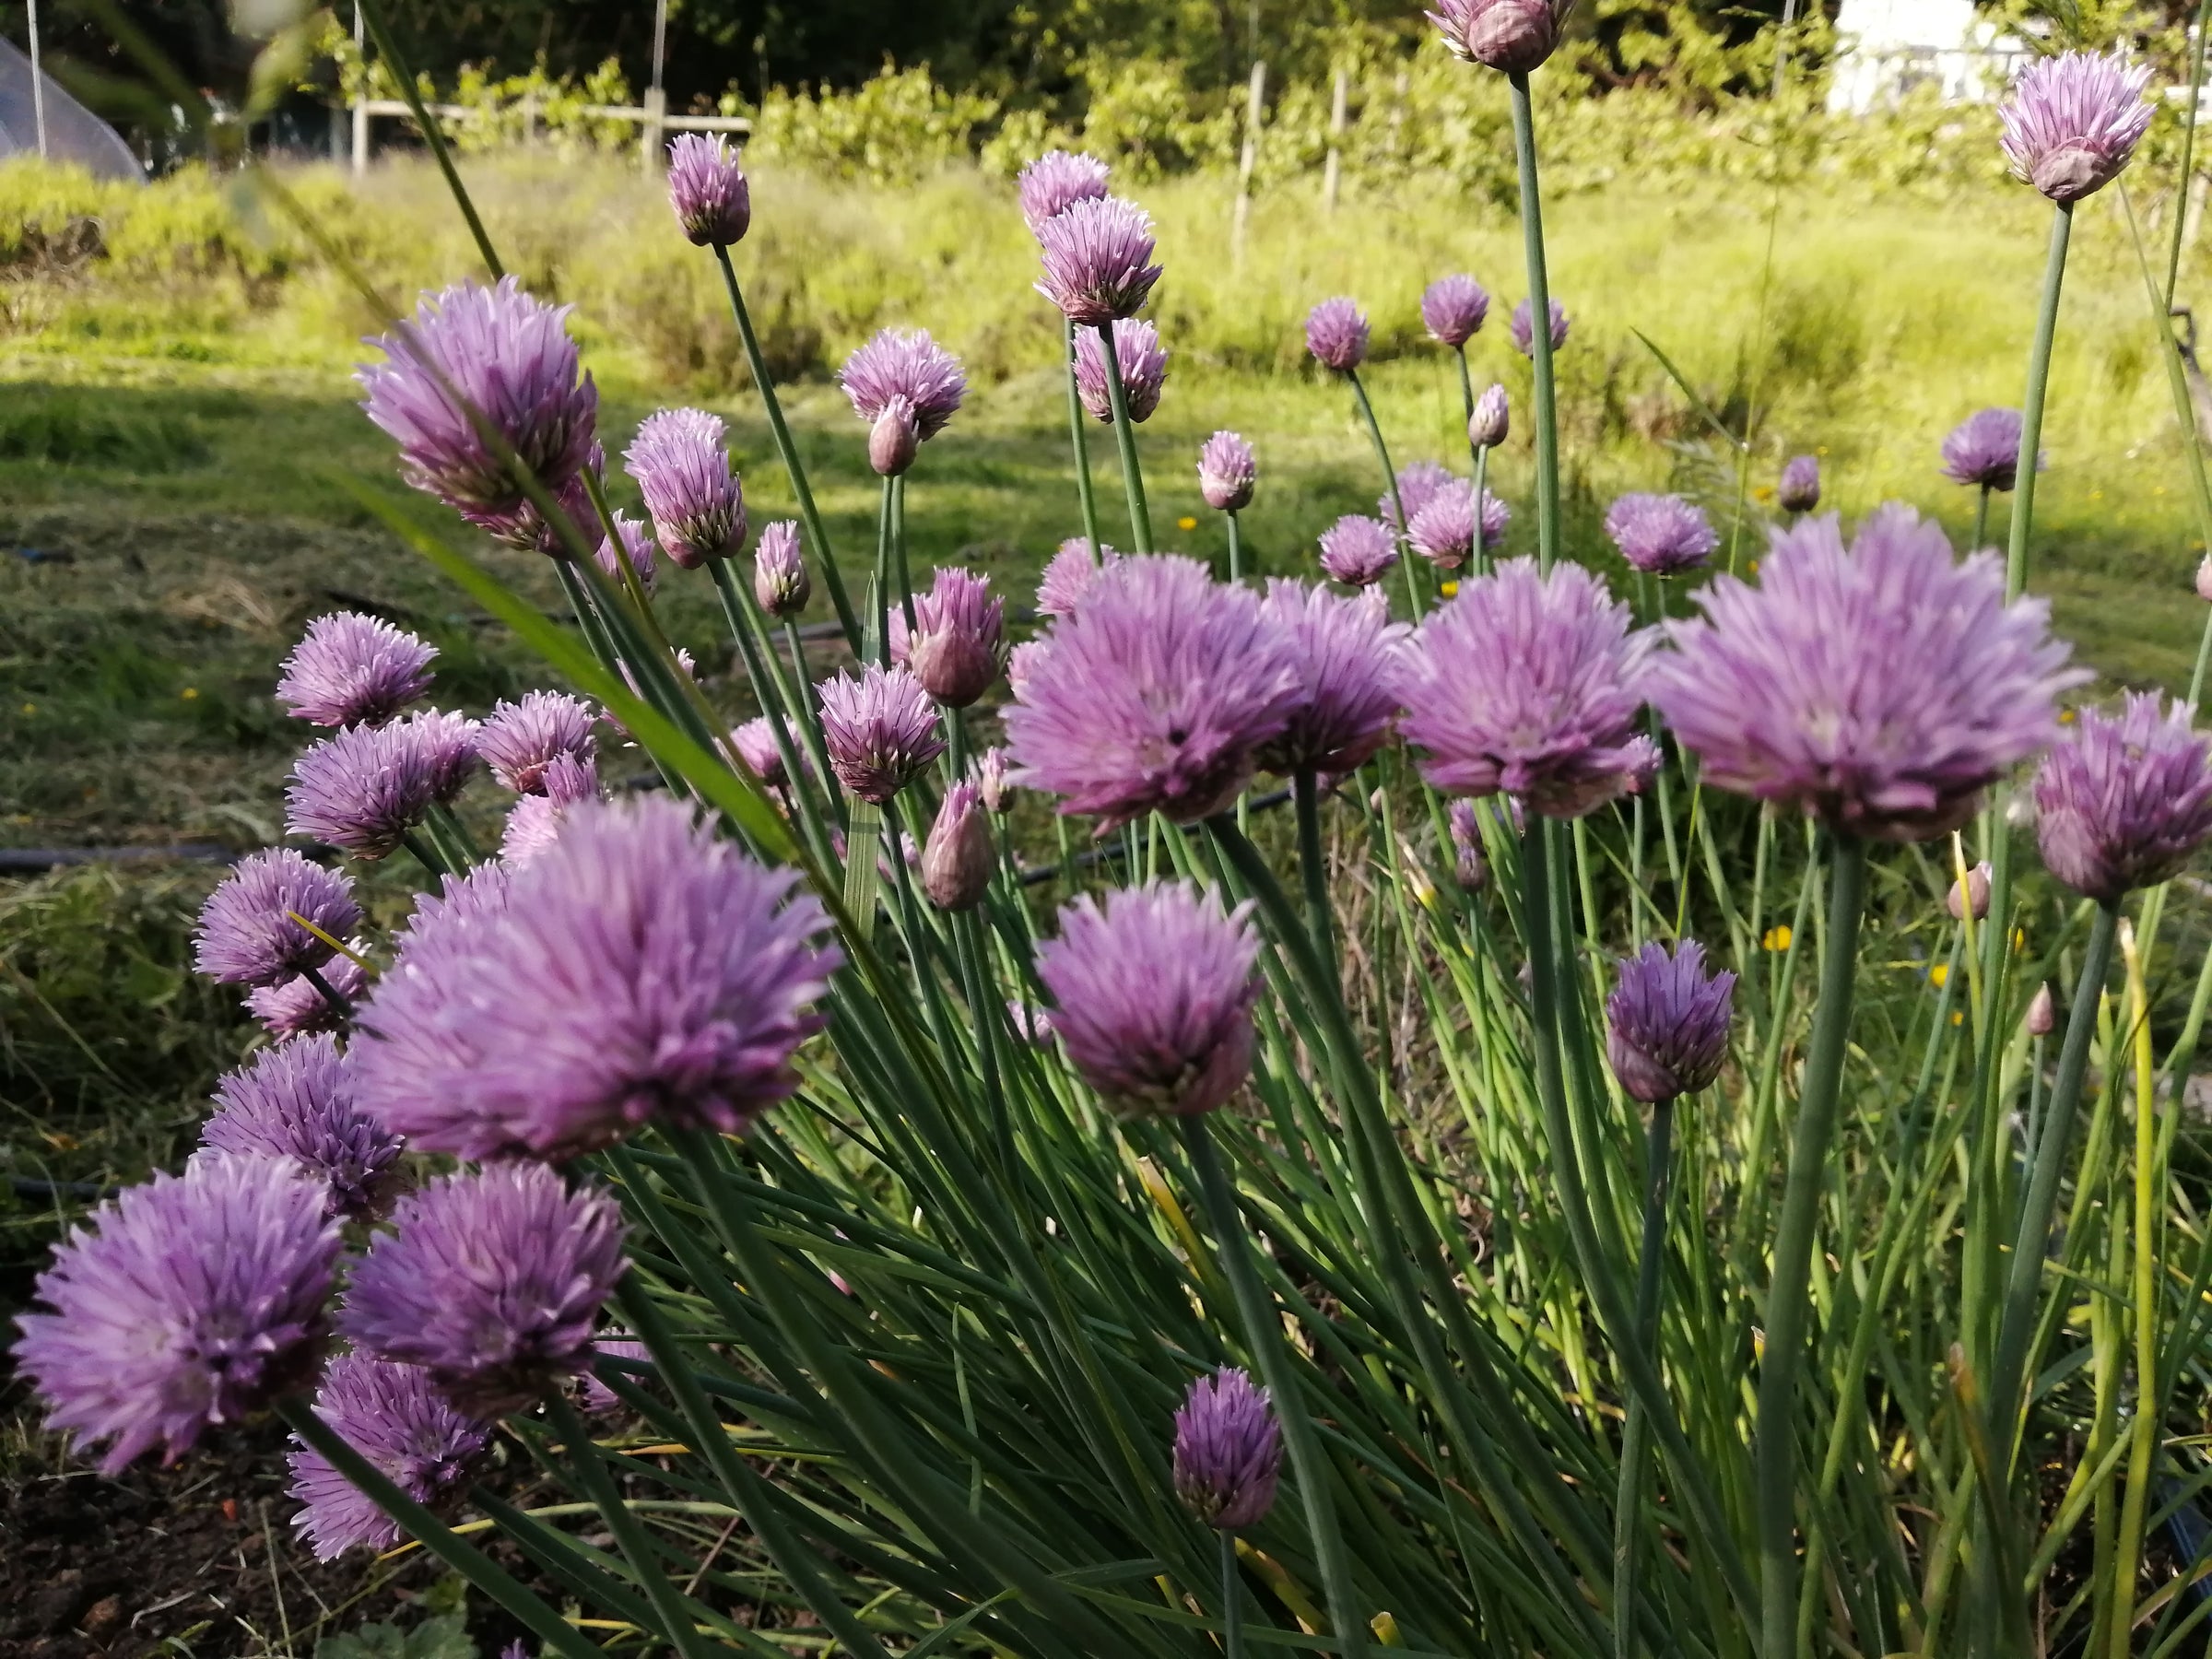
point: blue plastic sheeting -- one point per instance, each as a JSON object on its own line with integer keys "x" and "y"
{"x": 73, "y": 132}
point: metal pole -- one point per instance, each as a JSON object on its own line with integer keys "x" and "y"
{"x": 650, "y": 130}
{"x": 1245, "y": 161}
{"x": 1332, "y": 167}
{"x": 38, "y": 81}
{"x": 360, "y": 99}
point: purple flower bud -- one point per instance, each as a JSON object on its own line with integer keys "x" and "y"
{"x": 189, "y": 1301}
{"x": 895, "y": 440}
{"x": 712, "y": 202}
{"x": 638, "y": 551}
{"x": 491, "y": 1281}
{"x": 991, "y": 779}
{"x": 394, "y": 1417}
{"x": 1470, "y": 863}
{"x": 1417, "y": 484}
{"x": 779, "y": 579}
{"x": 1985, "y": 449}
{"x": 1531, "y": 685}
{"x": 2122, "y": 801}
{"x": 2073, "y": 122}
{"x": 1488, "y": 426}
{"x": 1336, "y": 335}
{"x": 960, "y": 857}
{"x": 1452, "y": 309}
{"x": 2042, "y": 1017}
{"x": 352, "y": 669}
{"x": 755, "y": 742}
{"x": 1227, "y": 472}
{"x": 366, "y": 787}
{"x": 510, "y": 358}
{"x": 1153, "y": 695}
{"x": 1881, "y": 690}
{"x": 1097, "y": 260}
{"x": 1661, "y": 534}
{"x": 1343, "y": 650}
{"x": 295, "y": 1102}
{"x": 644, "y": 970}
{"x": 1977, "y": 893}
{"x": 958, "y": 637}
{"x": 694, "y": 496}
{"x": 1229, "y": 1452}
{"x": 1523, "y": 330}
{"x": 1055, "y": 182}
{"x": 296, "y": 1008}
{"x": 880, "y": 730}
{"x": 1068, "y": 577}
{"x": 246, "y": 935}
{"x": 534, "y": 822}
{"x": 1154, "y": 995}
{"x": 1799, "y": 489}
{"x": 526, "y": 530}
{"x": 1667, "y": 1022}
{"x": 518, "y": 740}
{"x": 1514, "y": 36}
{"x": 1143, "y": 365}
{"x": 1358, "y": 550}
{"x": 908, "y": 364}
{"x": 2203, "y": 578}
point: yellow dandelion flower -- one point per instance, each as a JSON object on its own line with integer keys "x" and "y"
{"x": 1450, "y": 590}
{"x": 189, "y": 693}
{"x": 1186, "y": 523}
{"x": 1939, "y": 973}
{"x": 1765, "y": 492}
{"x": 1777, "y": 938}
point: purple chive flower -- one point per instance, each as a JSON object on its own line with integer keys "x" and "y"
{"x": 1882, "y": 689}
{"x": 1343, "y": 649}
{"x": 1470, "y": 863}
{"x": 958, "y": 637}
{"x": 2124, "y": 800}
{"x": 1154, "y": 995}
{"x": 992, "y": 780}
{"x": 1488, "y": 426}
{"x": 880, "y": 730}
{"x": 1799, "y": 489}
{"x": 682, "y": 467}
{"x": 755, "y": 742}
{"x": 2203, "y": 578}
{"x": 2073, "y": 122}
{"x": 1975, "y": 895}
{"x": 296, "y": 1008}
{"x": 900, "y": 363}
{"x": 533, "y": 822}
{"x": 1143, "y": 365}
{"x": 707, "y": 188}
{"x": 1229, "y": 1451}
{"x": 1023, "y": 662}
{"x": 1523, "y": 330}
{"x": 491, "y": 1281}
{"x": 1417, "y": 485}
{"x": 1358, "y": 550}
{"x": 1443, "y": 530}
{"x": 1055, "y": 182}
{"x": 246, "y": 934}
{"x": 1667, "y": 1022}
{"x": 598, "y": 1398}
{"x": 1097, "y": 260}
{"x": 1661, "y": 534}
{"x": 1514, "y": 36}
{"x": 960, "y": 857}
{"x": 638, "y": 970}
{"x": 295, "y": 1102}
{"x": 1452, "y": 309}
{"x": 1227, "y": 472}
{"x": 394, "y": 1417}
{"x": 526, "y": 530}
{"x": 779, "y": 579}
{"x": 1068, "y": 575}
{"x": 1336, "y": 335}
{"x": 519, "y": 740}
{"x": 1985, "y": 449}
{"x": 639, "y": 552}
{"x": 366, "y": 787}
{"x": 352, "y": 669}
{"x": 1530, "y": 684}
{"x": 1154, "y": 695}
{"x": 191, "y": 1299}
{"x": 510, "y": 356}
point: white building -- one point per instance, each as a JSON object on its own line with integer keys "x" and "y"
{"x": 1890, "y": 47}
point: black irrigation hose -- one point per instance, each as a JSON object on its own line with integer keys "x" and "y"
{"x": 23, "y": 1186}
